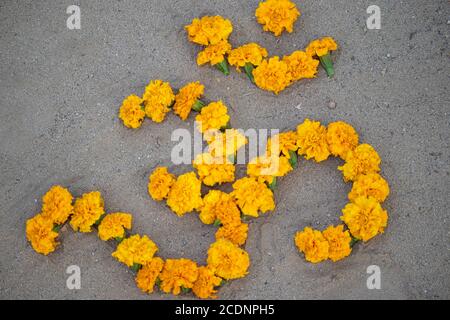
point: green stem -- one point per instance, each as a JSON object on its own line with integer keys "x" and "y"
{"x": 273, "y": 184}
{"x": 353, "y": 241}
{"x": 223, "y": 67}
{"x": 57, "y": 227}
{"x": 249, "y": 71}
{"x": 327, "y": 63}
{"x": 217, "y": 223}
{"x": 135, "y": 267}
{"x": 293, "y": 159}
{"x": 198, "y": 105}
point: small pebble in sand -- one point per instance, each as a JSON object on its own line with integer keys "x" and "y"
{"x": 331, "y": 104}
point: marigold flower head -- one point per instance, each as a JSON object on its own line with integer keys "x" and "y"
{"x": 228, "y": 260}
{"x": 213, "y": 170}
{"x": 135, "y": 249}
{"x": 185, "y": 195}
{"x": 160, "y": 182}
{"x": 321, "y": 47}
{"x": 209, "y": 30}
{"x": 147, "y": 275}
{"x": 364, "y": 159}
{"x": 205, "y": 283}
{"x": 272, "y": 75}
{"x": 214, "y": 53}
{"x": 369, "y": 185}
{"x": 365, "y": 218}
{"x": 252, "y": 196}
{"x": 237, "y": 234}
{"x": 178, "y": 274}
{"x": 301, "y": 66}
{"x": 287, "y": 141}
{"x": 313, "y": 244}
{"x": 113, "y": 225}
{"x": 265, "y": 168}
{"x": 158, "y": 96}
{"x": 57, "y": 205}
{"x": 251, "y": 53}
{"x": 186, "y": 97}
{"x": 131, "y": 112}
{"x": 277, "y": 15}
{"x": 213, "y": 116}
{"x": 218, "y": 205}
{"x": 312, "y": 140}
{"x": 225, "y": 144}
{"x": 39, "y": 231}
{"x": 338, "y": 241}
{"x": 86, "y": 211}
{"x": 341, "y": 138}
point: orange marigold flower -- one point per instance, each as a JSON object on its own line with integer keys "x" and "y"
{"x": 265, "y": 168}
{"x": 178, "y": 274}
{"x": 365, "y": 218}
{"x": 341, "y": 138}
{"x": 135, "y": 250}
{"x": 338, "y": 241}
{"x": 213, "y": 170}
{"x": 87, "y": 211}
{"x": 113, "y": 225}
{"x": 301, "y": 66}
{"x": 218, "y": 205}
{"x": 185, "y": 195}
{"x": 234, "y": 233}
{"x": 57, "y": 205}
{"x": 147, "y": 275}
{"x": 158, "y": 97}
{"x": 228, "y": 260}
{"x": 213, "y": 116}
{"x": 312, "y": 140}
{"x": 205, "y": 283}
{"x": 225, "y": 144}
{"x": 186, "y": 97}
{"x": 277, "y": 15}
{"x": 363, "y": 160}
{"x": 252, "y": 196}
{"x": 272, "y": 75}
{"x": 209, "y": 30}
{"x": 313, "y": 244}
{"x": 369, "y": 185}
{"x": 39, "y": 231}
{"x": 160, "y": 182}
{"x": 131, "y": 112}
{"x": 214, "y": 53}
{"x": 321, "y": 47}
{"x": 251, "y": 53}
{"x": 287, "y": 141}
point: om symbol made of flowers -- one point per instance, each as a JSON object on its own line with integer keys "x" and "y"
{"x": 362, "y": 218}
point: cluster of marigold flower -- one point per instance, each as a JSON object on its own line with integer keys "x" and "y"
{"x": 268, "y": 73}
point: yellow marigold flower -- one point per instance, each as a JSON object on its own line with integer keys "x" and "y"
{"x": 209, "y": 30}
{"x": 147, "y": 275}
{"x": 178, "y": 274}
{"x": 313, "y": 244}
{"x": 158, "y": 96}
{"x": 39, "y": 231}
{"x": 113, "y": 225}
{"x": 218, "y": 205}
{"x": 369, "y": 185}
{"x": 272, "y": 75}
{"x": 341, "y": 138}
{"x": 186, "y": 97}
{"x": 365, "y": 218}
{"x": 213, "y": 170}
{"x": 338, "y": 241}
{"x": 312, "y": 140}
{"x": 321, "y": 47}
{"x": 160, "y": 182}
{"x": 131, "y": 112}
{"x": 252, "y": 196}
{"x": 287, "y": 141}
{"x": 214, "y": 53}
{"x": 226, "y": 143}
{"x": 185, "y": 195}
{"x": 364, "y": 159}
{"x": 265, "y": 168}
{"x": 205, "y": 283}
{"x": 135, "y": 249}
{"x": 277, "y": 15}
{"x": 86, "y": 212}
{"x": 237, "y": 234}
{"x": 57, "y": 205}
{"x": 251, "y": 53}
{"x": 301, "y": 66}
{"x": 213, "y": 116}
{"x": 228, "y": 260}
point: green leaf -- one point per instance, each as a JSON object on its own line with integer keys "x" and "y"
{"x": 223, "y": 67}
{"x": 198, "y": 105}
{"x": 353, "y": 241}
{"x": 249, "y": 71}
{"x": 327, "y": 64}
{"x": 57, "y": 227}
{"x": 100, "y": 219}
{"x": 217, "y": 223}
{"x": 273, "y": 184}
{"x": 223, "y": 282}
{"x": 118, "y": 239}
{"x": 158, "y": 282}
{"x": 293, "y": 159}
{"x": 136, "y": 266}
{"x": 185, "y": 290}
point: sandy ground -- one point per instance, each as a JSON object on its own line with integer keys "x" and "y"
{"x": 61, "y": 89}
